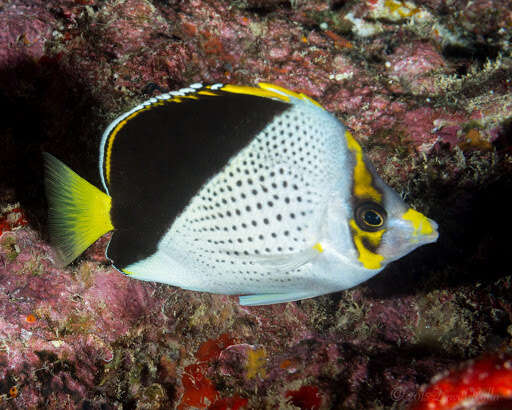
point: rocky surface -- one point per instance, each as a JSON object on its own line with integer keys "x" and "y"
{"x": 426, "y": 89}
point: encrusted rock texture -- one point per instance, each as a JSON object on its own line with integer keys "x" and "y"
{"x": 426, "y": 89}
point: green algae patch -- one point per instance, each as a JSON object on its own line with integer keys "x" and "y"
{"x": 10, "y": 248}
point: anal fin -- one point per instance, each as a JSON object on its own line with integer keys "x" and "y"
{"x": 272, "y": 298}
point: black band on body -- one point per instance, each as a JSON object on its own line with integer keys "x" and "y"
{"x": 162, "y": 157}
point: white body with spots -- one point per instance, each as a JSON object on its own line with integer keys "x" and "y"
{"x": 274, "y": 222}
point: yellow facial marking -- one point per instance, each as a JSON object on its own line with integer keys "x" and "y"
{"x": 420, "y": 222}
{"x": 369, "y": 259}
{"x": 363, "y": 187}
{"x": 318, "y": 247}
{"x": 127, "y": 272}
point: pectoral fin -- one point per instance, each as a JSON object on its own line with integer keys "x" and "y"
{"x": 287, "y": 262}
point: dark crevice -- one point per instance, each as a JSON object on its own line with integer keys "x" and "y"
{"x": 475, "y": 52}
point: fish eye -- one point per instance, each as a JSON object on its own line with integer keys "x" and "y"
{"x": 370, "y": 216}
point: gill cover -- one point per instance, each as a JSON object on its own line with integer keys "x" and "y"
{"x": 383, "y": 227}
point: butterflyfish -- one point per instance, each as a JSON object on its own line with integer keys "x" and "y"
{"x": 252, "y": 191}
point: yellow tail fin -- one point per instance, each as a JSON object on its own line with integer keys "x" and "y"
{"x": 78, "y": 212}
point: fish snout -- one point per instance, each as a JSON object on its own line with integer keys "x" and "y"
{"x": 432, "y": 237}
{"x": 423, "y": 230}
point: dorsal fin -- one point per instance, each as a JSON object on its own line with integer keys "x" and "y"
{"x": 193, "y": 92}
{"x": 162, "y": 156}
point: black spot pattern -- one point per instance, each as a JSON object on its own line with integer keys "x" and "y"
{"x": 265, "y": 204}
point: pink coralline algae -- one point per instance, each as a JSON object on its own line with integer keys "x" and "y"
{"x": 414, "y": 64}
{"x": 25, "y": 30}
{"x": 426, "y": 87}
{"x": 50, "y": 321}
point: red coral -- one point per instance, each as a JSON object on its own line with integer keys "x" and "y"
{"x": 475, "y": 383}
{"x": 210, "y": 350}
{"x": 306, "y": 398}
{"x": 200, "y": 391}
{"x": 229, "y": 403}
{"x": 12, "y": 219}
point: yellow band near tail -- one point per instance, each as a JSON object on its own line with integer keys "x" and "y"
{"x": 78, "y": 212}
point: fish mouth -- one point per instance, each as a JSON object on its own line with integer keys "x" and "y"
{"x": 432, "y": 237}
{"x": 407, "y": 234}
{"x": 424, "y": 233}
{"x": 424, "y": 230}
